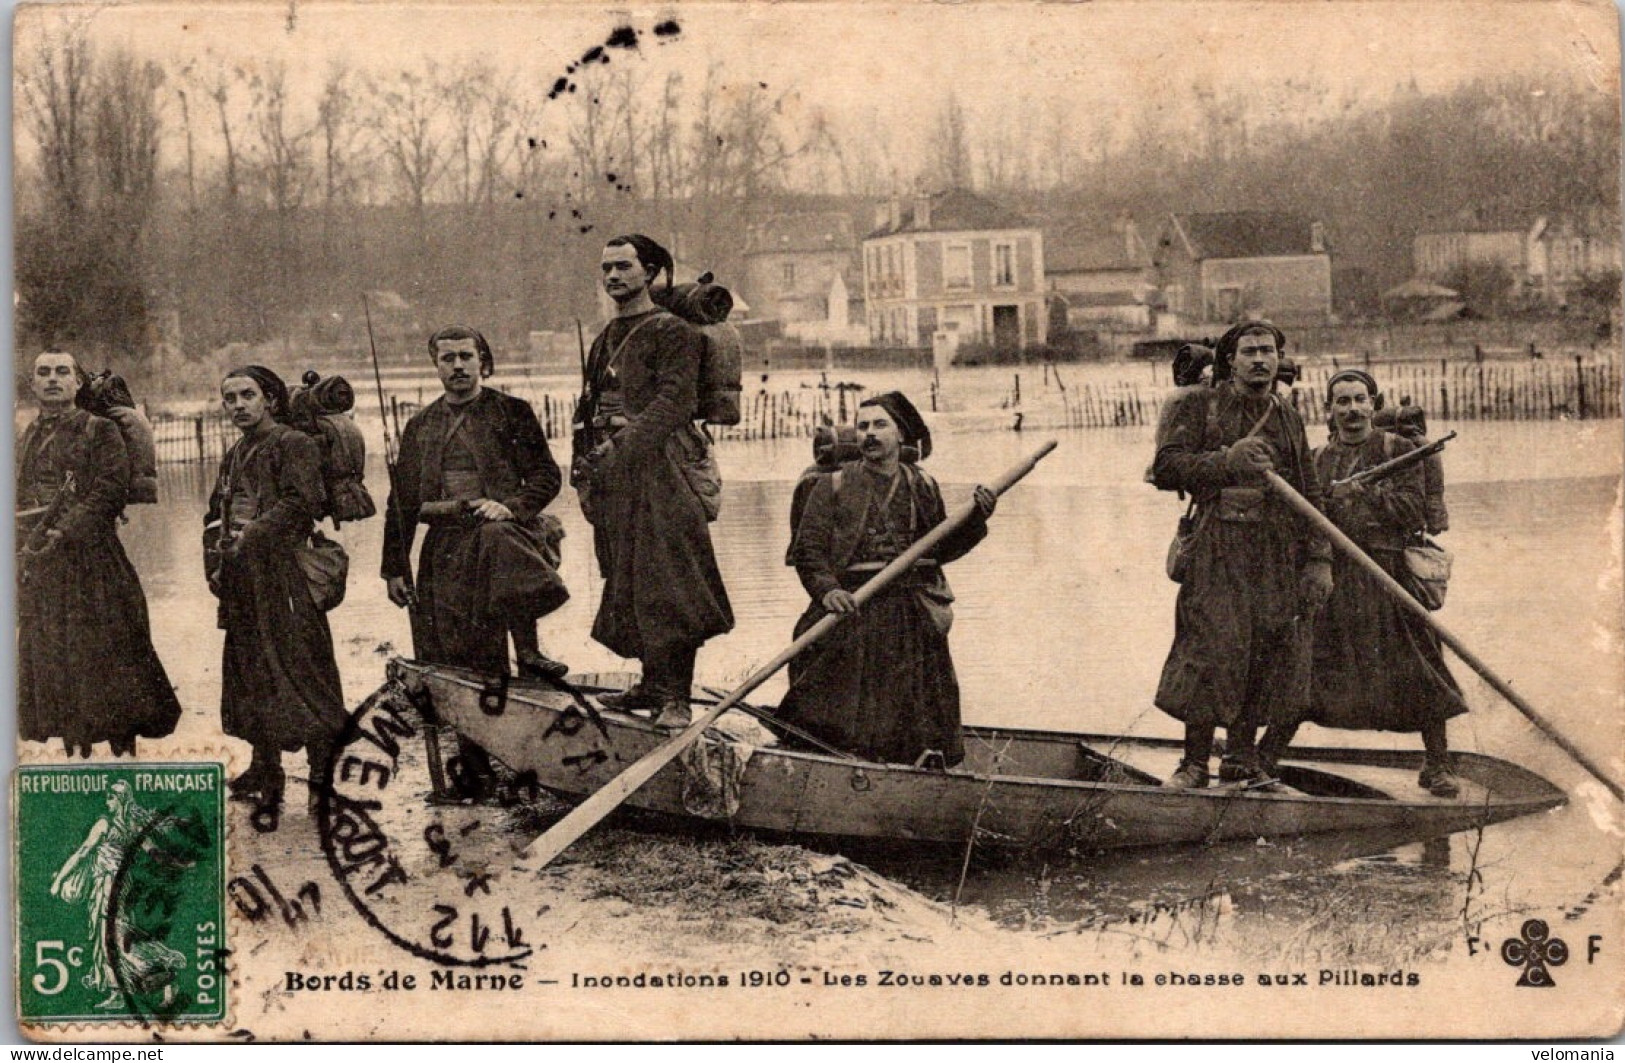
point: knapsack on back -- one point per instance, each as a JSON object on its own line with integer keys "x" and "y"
{"x": 1409, "y": 421}
{"x": 320, "y": 409}
{"x": 706, "y": 305}
{"x": 107, "y": 395}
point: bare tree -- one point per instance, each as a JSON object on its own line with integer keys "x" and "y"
{"x": 482, "y": 116}
{"x": 407, "y": 119}
{"x": 217, "y": 84}
{"x": 81, "y": 268}
{"x": 281, "y": 146}
{"x": 55, "y": 86}
{"x": 950, "y": 150}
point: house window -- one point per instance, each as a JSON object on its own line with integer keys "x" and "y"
{"x": 1004, "y": 265}
{"x": 789, "y": 274}
{"x": 956, "y": 266}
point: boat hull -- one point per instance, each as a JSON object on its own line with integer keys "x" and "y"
{"x": 1017, "y": 788}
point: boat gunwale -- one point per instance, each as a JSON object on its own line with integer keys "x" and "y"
{"x": 1554, "y": 798}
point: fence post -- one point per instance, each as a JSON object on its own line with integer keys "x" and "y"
{"x": 201, "y": 454}
{"x": 1580, "y": 377}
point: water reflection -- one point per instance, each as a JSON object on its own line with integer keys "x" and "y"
{"x": 1063, "y": 619}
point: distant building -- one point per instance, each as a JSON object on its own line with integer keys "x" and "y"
{"x": 1216, "y": 268}
{"x": 1436, "y": 255}
{"x": 1568, "y": 250}
{"x": 791, "y": 261}
{"x": 957, "y": 263}
{"x": 1545, "y": 258}
{"x": 1102, "y": 274}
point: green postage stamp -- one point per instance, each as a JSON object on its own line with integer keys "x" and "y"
{"x": 119, "y": 877}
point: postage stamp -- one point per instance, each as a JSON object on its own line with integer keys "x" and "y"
{"x": 803, "y": 520}
{"x": 120, "y": 893}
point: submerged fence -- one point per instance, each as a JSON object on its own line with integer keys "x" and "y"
{"x": 1558, "y": 389}
{"x": 1461, "y": 391}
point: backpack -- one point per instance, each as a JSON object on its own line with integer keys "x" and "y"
{"x": 706, "y": 305}
{"x": 107, "y": 395}
{"x": 320, "y": 409}
{"x": 1410, "y": 422}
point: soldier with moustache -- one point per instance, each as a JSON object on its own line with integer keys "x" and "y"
{"x": 1258, "y": 572}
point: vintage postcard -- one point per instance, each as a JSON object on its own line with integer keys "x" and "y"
{"x": 818, "y": 520}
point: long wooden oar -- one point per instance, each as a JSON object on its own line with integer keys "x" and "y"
{"x": 584, "y": 816}
{"x": 1403, "y": 597}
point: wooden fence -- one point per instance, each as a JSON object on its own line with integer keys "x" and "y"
{"x": 1461, "y": 391}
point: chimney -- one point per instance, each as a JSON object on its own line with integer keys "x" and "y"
{"x": 895, "y": 216}
{"x": 1125, "y": 232}
{"x": 922, "y": 210}
{"x": 882, "y": 215}
{"x": 1317, "y": 237}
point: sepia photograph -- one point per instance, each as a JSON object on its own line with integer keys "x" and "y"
{"x": 820, "y": 520}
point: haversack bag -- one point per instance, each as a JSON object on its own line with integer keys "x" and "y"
{"x": 1183, "y": 547}
{"x": 698, "y": 460}
{"x": 326, "y": 567}
{"x": 1429, "y": 566}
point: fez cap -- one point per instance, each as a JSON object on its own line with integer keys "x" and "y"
{"x": 906, "y": 417}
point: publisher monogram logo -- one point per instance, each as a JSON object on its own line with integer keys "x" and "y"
{"x": 1534, "y": 952}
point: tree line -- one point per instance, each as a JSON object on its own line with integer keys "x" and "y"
{"x": 202, "y": 201}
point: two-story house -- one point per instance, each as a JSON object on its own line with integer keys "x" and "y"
{"x": 958, "y": 263}
{"x": 793, "y": 260}
{"x": 1215, "y": 268}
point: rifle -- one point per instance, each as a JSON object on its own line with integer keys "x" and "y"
{"x": 38, "y": 540}
{"x": 391, "y": 446}
{"x": 1393, "y": 465}
{"x": 583, "y": 436}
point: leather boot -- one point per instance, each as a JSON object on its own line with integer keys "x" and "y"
{"x": 675, "y": 714}
{"x": 534, "y": 664}
{"x": 1188, "y": 776}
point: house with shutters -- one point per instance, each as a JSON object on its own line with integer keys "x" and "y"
{"x": 1214, "y": 269}
{"x": 953, "y": 267}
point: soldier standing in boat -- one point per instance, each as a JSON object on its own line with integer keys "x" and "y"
{"x": 1376, "y": 666}
{"x": 475, "y": 467}
{"x": 663, "y": 593}
{"x": 280, "y": 686}
{"x": 86, "y": 669}
{"x": 881, "y": 684}
{"x": 1257, "y": 571}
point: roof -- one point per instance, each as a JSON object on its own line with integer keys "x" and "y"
{"x": 1084, "y": 248}
{"x": 1247, "y": 234}
{"x": 956, "y": 210}
{"x": 819, "y": 231}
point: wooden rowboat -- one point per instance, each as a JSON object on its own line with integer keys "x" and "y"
{"x": 1019, "y": 788}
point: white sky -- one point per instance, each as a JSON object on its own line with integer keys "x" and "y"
{"x": 888, "y": 66}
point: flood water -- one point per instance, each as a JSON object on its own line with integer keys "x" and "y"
{"x": 1063, "y": 619}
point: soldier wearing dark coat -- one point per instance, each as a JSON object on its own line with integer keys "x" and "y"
{"x": 881, "y": 684}
{"x": 1377, "y": 666}
{"x": 1258, "y": 571}
{"x": 475, "y": 466}
{"x": 280, "y": 687}
{"x": 86, "y": 669}
{"x": 663, "y": 593}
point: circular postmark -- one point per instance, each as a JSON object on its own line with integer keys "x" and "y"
{"x": 436, "y": 881}
{"x": 143, "y": 901}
